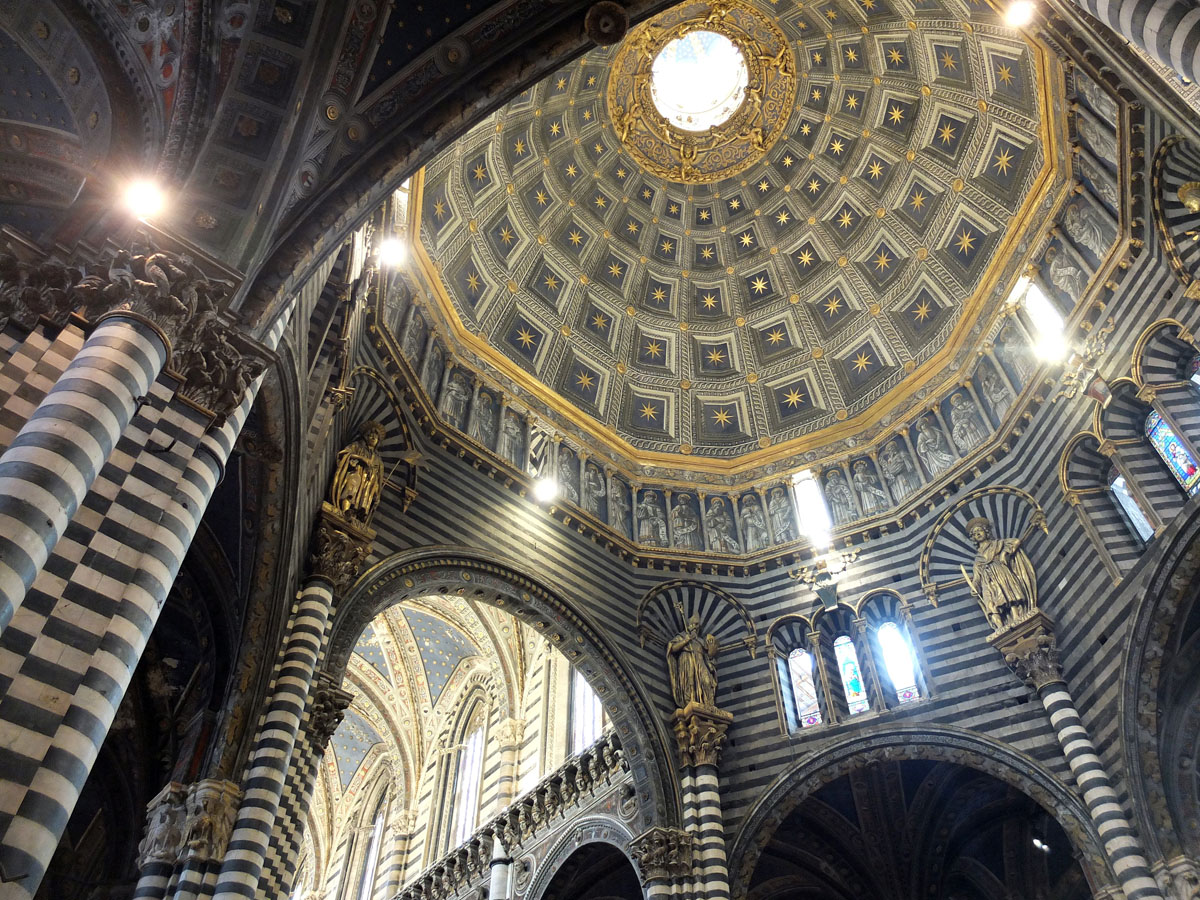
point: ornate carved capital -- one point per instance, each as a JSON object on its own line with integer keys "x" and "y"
{"x": 328, "y": 709}
{"x": 510, "y": 732}
{"x": 217, "y": 362}
{"x": 165, "y": 816}
{"x": 339, "y": 548}
{"x": 212, "y": 805}
{"x": 663, "y": 854}
{"x": 1030, "y": 651}
{"x": 700, "y": 732}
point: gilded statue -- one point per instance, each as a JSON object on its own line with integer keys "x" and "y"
{"x": 692, "y": 664}
{"x": 358, "y": 478}
{"x": 1002, "y": 577}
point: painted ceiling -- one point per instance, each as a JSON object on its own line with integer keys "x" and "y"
{"x": 849, "y": 267}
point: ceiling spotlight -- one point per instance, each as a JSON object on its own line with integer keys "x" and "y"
{"x": 1019, "y": 13}
{"x": 392, "y": 252}
{"x": 545, "y": 489}
{"x": 144, "y": 198}
{"x": 1039, "y": 844}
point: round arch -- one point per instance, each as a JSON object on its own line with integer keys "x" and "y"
{"x": 1169, "y": 592}
{"x": 590, "y": 832}
{"x": 492, "y": 579}
{"x": 927, "y": 742}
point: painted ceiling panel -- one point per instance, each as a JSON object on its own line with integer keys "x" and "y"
{"x": 351, "y": 742}
{"x": 442, "y": 648}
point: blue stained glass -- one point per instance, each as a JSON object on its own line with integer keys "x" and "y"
{"x": 852, "y": 683}
{"x": 1177, "y": 457}
{"x": 804, "y": 689}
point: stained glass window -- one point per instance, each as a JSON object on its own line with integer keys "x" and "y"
{"x": 586, "y": 714}
{"x": 804, "y": 688}
{"x": 366, "y": 884}
{"x": 897, "y": 656}
{"x": 1129, "y": 505}
{"x": 852, "y": 683}
{"x": 1177, "y": 457}
{"x": 466, "y": 787}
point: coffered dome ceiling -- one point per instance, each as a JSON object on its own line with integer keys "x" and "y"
{"x": 889, "y": 162}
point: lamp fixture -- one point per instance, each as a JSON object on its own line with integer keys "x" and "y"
{"x": 392, "y": 252}
{"x": 144, "y": 198}
{"x": 1019, "y": 13}
{"x": 545, "y": 489}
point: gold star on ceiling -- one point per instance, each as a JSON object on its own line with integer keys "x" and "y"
{"x": 851, "y": 101}
{"x": 480, "y": 172}
{"x": 1003, "y": 161}
{"x": 703, "y": 215}
{"x": 775, "y": 336}
{"x": 667, "y": 246}
{"x": 525, "y": 336}
{"x": 716, "y": 356}
{"x": 831, "y": 14}
{"x": 653, "y": 349}
{"x": 833, "y": 305}
{"x": 472, "y": 281}
{"x": 965, "y": 242}
{"x": 1004, "y": 73}
{"x": 896, "y": 114}
{"x": 851, "y": 55}
{"x": 917, "y": 200}
{"x": 587, "y": 115}
{"x": 805, "y": 257}
{"x": 646, "y": 195}
{"x": 439, "y": 208}
{"x": 814, "y": 185}
{"x": 846, "y": 219}
{"x": 649, "y": 412}
{"x": 673, "y": 209}
{"x": 722, "y": 417}
{"x": 599, "y": 321}
{"x": 816, "y": 58}
{"x": 571, "y": 170}
{"x": 621, "y": 173}
{"x": 759, "y": 285}
{"x": 862, "y": 362}
{"x": 601, "y": 201}
{"x": 591, "y": 82}
{"x": 816, "y": 95}
{"x": 735, "y": 204}
{"x": 882, "y": 261}
{"x": 614, "y": 269}
{"x": 584, "y": 381}
{"x": 946, "y": 133}
{"x": 949, "y": 63}
{"x": 868, "y": 5}
{"x": 575, "y": 238}
{"x": 895, "y": 56}
{"x": 659, "y": 295}
{"x": 793, "y": 398}
{"x": 632, "y": 227}
{"x": 837, "y": 147}
{"x": 764, "y": 186}
{"x": 706, "y": 252}
{"x": 921, "y": 311}
{"x": 875, "y": 170}
{"x": 519, "y": 148}
{"x": 507, "y": 236}
{"x": 788, "y": 162}
{"x": 551, "y": 282}
{"x": 746, "y": 238}
{"x": 805, "y": 128}
{"x": 709, "y": 301}
{"x": 561, "y": 83}
{"x": 555, "y": 128}
{"x": 541, "y": 198}
{"x": 782, "y": 217}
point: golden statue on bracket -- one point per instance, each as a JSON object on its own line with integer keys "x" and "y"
{"x": 692, "y": 665}
{"x": 358, "y": 479}
{"x": 1002, "y": 577}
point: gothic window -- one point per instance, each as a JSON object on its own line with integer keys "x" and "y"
{"x": 370, "y": 861}
{"x": 1176, "y": 456}
{"x": 467, "y": 783}
{"x": 585, "y": 714}
{"x": 898, "y": 661}
{"x": 805, "y": 705}
{"x": 851, "y": 675}
{"x": 1130, "y": 508}
{"x": 1193, "y": 371}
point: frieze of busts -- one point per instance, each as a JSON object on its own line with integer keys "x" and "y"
{"x": 328, "y": 709}
{"x": 663, "y": 854}
{"x": 165, "y": 816}
{"x": 212, "y": 805}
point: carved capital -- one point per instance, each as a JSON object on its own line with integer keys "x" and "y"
{"x": 339, "y": 548}
{"x": 700, "y": 733}
{"x": 216, "y": 361}
{"x": 663, "y": 854}
{"x": 510, "y": 732}
{"x": 328, "y": 709}
{"x": 1178, "y": 878}
{"x": 165, "y": 816}
{"x": 1030, "y": 650}
{"x": 212, "y": 805}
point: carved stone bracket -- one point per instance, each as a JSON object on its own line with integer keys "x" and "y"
{"x": 663, "y": 854}
{"x": 212, "y": 805}
{"x": 339, "y": 548}
{"x": 700, "y": 732}
{"x": 1030, "y": 651}
{"x": 1178, "y": 878}
{"x": 165, "y": 816}
{"x": 328, "y": 709}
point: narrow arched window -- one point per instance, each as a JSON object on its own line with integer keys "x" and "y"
{"x": 370, "y": 862}
{"x": 1135, "y": 518}
{"x": 1193, "y": 371}
{"x": 804, "y": 688}
{"x": 1177, "y": 457}
{"x": 466, "y": 787}
{"x": 852, "y": 682}
{"x": 586, "y": 714}
{"x": 897, "y": 657}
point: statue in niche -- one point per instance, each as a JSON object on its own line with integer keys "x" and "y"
{"x": 870, "y": 493}
{"x": 358, "y": 479}
{"x": 841, "y": 501}
{"x": 1100, "y": 139}
{"x": 898, "y": 470}
{"x": 996, "y": 392}
{"x": 651, "y": 521}
{"x": 1096, "y": 98}
{"x": 1002, "y": 576}
{"x": 931, "y": 447}
{"x": 1012, "y": 349}
{"x": 965, "y": 425}
{"x": 692, "y": 664}
{"x": 414, "y": 339}
{"x": 485, "y": 420}
{"x": 720, "y": 528}
{"x": 685, "y": 524}
{"x": 512, "y": 438}
{"x": 618, "y": 507}
{"x": 567, "y": 480}
{"x": 1100, "y": 179}
{"x": 754, "y": 524}
{"x": 781, "y": 515}
{"x": 1068, "y": 278}
{"x": 454, "y": 401}
{"x": 1086, "y": 228}
{"x": 593, "y": 489}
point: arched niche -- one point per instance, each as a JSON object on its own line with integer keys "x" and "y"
{"x": 932, "y": 744}
{"x": 589, "y": 862}
{"x": 489, "y": 578}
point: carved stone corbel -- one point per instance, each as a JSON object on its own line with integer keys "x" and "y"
{"x": 328, "y": 709}
{"x": 212, "y": 805}
{"x": 1030, "y": 650}
{"x": 165, "y": 816}
{"x": 339, "y": 549}
{"x": 663, "y": 854}
{"x": 700, "y": 733}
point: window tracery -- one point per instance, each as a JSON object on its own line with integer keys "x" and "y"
{"x": 806, "y": 706}
{"x": 898, "y": 661}
{"x": 1135, "y": 518}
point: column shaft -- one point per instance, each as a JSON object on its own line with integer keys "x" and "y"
{"x": 50, "y": 466}
{"x": 271, "y": 756}
{"x": 711, "y": 866}
{"x": 1120, "y": 844}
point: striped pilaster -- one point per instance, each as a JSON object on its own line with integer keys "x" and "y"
{"x": 51, "y": 464}
{"x": 709, "y": 864}
{"x": 1120, "y": 844}
{"x": 1169, "y": 30}
{"x": 271, "y": 756}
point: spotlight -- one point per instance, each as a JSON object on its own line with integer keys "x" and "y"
{"x": 1019, "y": 13}
{"x": 545, "y": 489}
{"x": 1039, "y": 844}
{"x": 392, "y": 252}
{"x": 144, "y": 198}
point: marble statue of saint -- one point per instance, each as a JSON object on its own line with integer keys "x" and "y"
{"x": 454, "y": 403}
{"x": 618, "y": 508}
{"x": 1069, "y": 279}
{"x": 754, "y": 525}
{"x": 898, "y": 470}
{"x": 841, "y": 501}
{"x": 566, "y": 477}
{"x": 997, "y": 393}
{"x": 485, "y": 420}
{"x": 870, "y": 493}
{"x": 358, "y": 478}
{"x": 1002, "y": 576}
{"x": 965, "y": 426}
{"x": 1085, "y": 227}
{"x": 692, "y": 664}
{"x": 931, "y": 447}
{"x": 685, "y": 524}
{"x": 781, "y": 515}
{"x": 720, "y": 528}
{"x": 512, "y": 439}
{"x": 593, "y": 489}
{"x": 651, "y": 521}
{"x": 1013, "y": 349}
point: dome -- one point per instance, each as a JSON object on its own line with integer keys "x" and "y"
{"x": 797, "y": 275}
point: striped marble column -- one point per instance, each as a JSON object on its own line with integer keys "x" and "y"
{"x": 1169, "y": 30}
{"x": 709, "y": 864}
{"x": 1030, "y": 650}
{"x": 665, "y": 858}
{"x": 50, "y": 466}
{"x": 271, "y": 755}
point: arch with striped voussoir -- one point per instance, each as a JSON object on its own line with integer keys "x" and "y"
{"x": 881, "y": 608}
{"x": 557, "y": 871}
{"x": 1160, "y": 697}
{"x": 929, "y": 743}
{"x": 1175, "y": 195}
{"x": 800, "y": 697}
{"x": 491, "y": 579}
{"x": 666, "y": 609}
